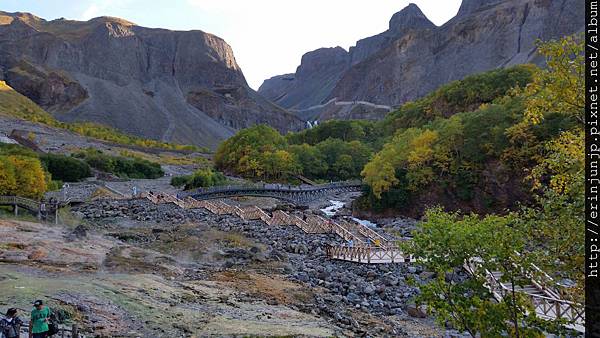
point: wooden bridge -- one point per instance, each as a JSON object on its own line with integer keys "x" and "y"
{"x": 540, "y": 289}
{"x": 292, "y": 194}
{"x": 367, "y": 246}
{"x": 43, "y": 210}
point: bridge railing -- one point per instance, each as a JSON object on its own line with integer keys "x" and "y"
{"x": 270, "y": 187}
{"x": 367, "y": 254}
{"x": 548, "y": 305}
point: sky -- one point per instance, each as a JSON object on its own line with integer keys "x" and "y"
{"x": 268, "y": 37}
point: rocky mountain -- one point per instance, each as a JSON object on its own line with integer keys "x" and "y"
{"x": 180, "y": 86}
{"x": 409, "y": 19}
{"x": 315, "y": 78}
{"x": 321, "y": 69}
{"x": 414, "y": 57}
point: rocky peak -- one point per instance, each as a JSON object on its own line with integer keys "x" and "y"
{"x": 411, "y": 17}
{"x": 7, "y": 18}
{"x": 470, "y": 6}
{"x": 109, "y": 19}
{"x": 320, "y": 59}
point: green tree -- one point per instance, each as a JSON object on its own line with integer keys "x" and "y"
{"x": 245, "y": 152}
{"x": 65, "y": 168}
{"x": 310, "y": 159}
{"x": 445, "y": 243}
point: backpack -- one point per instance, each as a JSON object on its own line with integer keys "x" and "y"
{"x": 10, "y": 330}
{"x": 52, "y": 325}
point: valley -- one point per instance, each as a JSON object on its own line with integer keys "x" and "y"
{"x": 426, "y": 182}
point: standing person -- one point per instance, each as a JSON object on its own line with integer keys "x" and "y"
{"x": 11, "y": 325}
{"x": 40, "y": 316}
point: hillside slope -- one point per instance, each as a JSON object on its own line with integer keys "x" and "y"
{"x": 184, "y": 87}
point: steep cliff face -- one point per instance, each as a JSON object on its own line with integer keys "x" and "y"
{"x": 487, "y": 35}
{"x": 414, "y": 57}
{"x": 313, "y": 81}
{"x": 409, "y": 19}
{"x": 321, "y": 69}
{"x": 471, "y": 6}
{"x": 176, "y": 86}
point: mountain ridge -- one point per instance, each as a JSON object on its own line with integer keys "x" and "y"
{"x": 178, "y": 86}
{"x": 484, "y": 35}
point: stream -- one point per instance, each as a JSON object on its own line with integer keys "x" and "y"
{"x": 337, "y": 205}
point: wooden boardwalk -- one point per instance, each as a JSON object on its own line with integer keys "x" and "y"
{"x": 43, "y": 210}
{"x": 288, "y": 193}
{"x": 370, "y": 247}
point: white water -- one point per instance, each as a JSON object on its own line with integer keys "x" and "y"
{"x": 333, "y": 208}
{"x": 364, "y": 222}
{"x": 337, "y": 205}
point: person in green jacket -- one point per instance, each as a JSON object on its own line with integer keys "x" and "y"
{"x": 40, "y": 316}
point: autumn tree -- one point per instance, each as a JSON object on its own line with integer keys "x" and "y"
{"x": 8, "y": 177}
{"x": 30, "y": 176}
{"x": 560, "y": 87}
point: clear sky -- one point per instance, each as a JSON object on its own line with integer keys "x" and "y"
{"x": 268, "y": 37}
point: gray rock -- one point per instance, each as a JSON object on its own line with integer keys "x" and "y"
{"x": 485, "y": 35}
{"x": 369, "y": 290}
{"x": 415, "y": 311}
{"x": 170, "y": 85}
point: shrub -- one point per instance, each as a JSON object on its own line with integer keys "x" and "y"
{"x": 180, "y": 181}
{"x": 121, "y": 166}
{"x": 200, "y": 179}
{"x": 65, "y": 168}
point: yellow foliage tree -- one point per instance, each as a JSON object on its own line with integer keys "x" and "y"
{"x": 560, "y": 87}
{"x": 30, "y": 176}
{"x": 8, "y": 179}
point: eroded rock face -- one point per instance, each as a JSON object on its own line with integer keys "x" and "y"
{"x": 414, "y": 57}
{"x": 490, "y": 37}
{"x": 470, "y": 6}
{"x": 141, "y": 80}
{"x": 409, "y": 19}
{"x": 314, "y": 79}
{"x": 51, "y": 90}
{"x": 321, "y": 69}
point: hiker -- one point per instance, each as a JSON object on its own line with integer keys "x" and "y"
{"x": 350, "y": 243}
{"x": 11, "y": 325}
{"x": 40, "y": 317}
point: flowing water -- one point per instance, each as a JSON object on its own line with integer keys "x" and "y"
{"x": 337, "y": 205}
{"x": 333, "y": 208}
